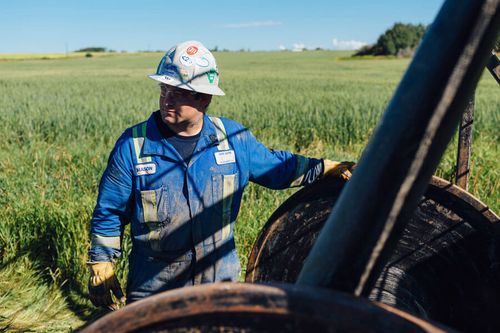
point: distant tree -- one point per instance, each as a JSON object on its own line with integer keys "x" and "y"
{"x": 215, "y": 49}
{"x": 92, "y": 49}
{"x": 365, "y": 50}
{"x": 401, "y": 39}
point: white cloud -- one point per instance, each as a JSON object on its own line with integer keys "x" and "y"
{"x": 297, "y": 47}
{"x": 282, "y": 47}
{"x": 347, "y": 44}
{"x": 256, "y": 24}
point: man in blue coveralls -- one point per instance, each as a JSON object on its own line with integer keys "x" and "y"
{"x": 178, "y": 179}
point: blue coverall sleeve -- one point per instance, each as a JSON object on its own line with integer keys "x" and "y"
{"x": 112, "y": 208}
{"x": 279, "y": 169}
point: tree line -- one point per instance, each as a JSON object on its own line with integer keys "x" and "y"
{"x": 401, "y": 40}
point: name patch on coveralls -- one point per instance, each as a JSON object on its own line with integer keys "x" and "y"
{"x": 225, "y": 157}
{"x": 145, "y": 169}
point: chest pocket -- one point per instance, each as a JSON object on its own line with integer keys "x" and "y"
{"x": 154, "y": 206}
{"x": 154, "y": 215}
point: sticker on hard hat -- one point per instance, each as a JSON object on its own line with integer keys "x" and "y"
{"x": 145, "y": 169}
{"x": 202, "y": 62}
{"x": 186, "y": 61}
{"x": 171, "y": 54}
{"x": 211, "y": 76}
{"x": 192, "y": 50}
{"x": 184, "y": 74}
{"x": 225, "y": 157}
{"x": 170, "y": 72}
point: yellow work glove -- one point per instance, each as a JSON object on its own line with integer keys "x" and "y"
{"x": 102, "y": 283}
{"x": 338, "y": 169}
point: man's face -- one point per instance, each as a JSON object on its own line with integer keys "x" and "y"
{"x": 179, "y": 106}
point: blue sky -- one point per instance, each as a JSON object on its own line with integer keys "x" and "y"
{"x": 42, "y": 26}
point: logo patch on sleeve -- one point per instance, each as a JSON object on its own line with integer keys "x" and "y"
{"x": 225, "y": 157}
{"x": 145, "y": 169}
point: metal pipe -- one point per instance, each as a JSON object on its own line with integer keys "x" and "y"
{"x": 464, "y": 152}
{"x": 465, "y": 146}
{"x": 405, "y": 149}
{"x": 494, "y": 67}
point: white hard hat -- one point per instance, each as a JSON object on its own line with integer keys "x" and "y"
{"x": 189, "y": 65}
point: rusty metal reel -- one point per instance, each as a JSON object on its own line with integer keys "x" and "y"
{"x": 237, "y": 307}
{"x": 445, "y": 267}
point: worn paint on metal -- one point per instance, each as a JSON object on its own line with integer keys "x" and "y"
{"x": 236, "y": 307}
{"x": 452, "y": 236}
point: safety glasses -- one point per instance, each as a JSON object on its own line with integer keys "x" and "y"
{"x": 177, "y": 93}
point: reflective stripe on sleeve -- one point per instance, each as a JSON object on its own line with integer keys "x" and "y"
{"x": 113, "y": 242}
{"x": 138, "y": 139}
{"x": 227, "y": 200}
{"x": 300, "y": 170}
{"x": 221, "y": 133}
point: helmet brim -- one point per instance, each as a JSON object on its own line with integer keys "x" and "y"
{"x": 175, "y": 82}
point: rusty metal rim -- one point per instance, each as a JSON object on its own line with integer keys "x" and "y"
{"x": 309, "y": 192}
{"x": 470, "y": 207}
{"x": 236, "y": 298}
{"x": 464, "y": 196}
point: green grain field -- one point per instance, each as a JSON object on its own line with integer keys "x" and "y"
{"x": 59, "y": 119}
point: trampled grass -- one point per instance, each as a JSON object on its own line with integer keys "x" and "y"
{"x": 60, "y": 119}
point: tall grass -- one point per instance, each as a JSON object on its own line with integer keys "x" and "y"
{"x": 59, "y": 120}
